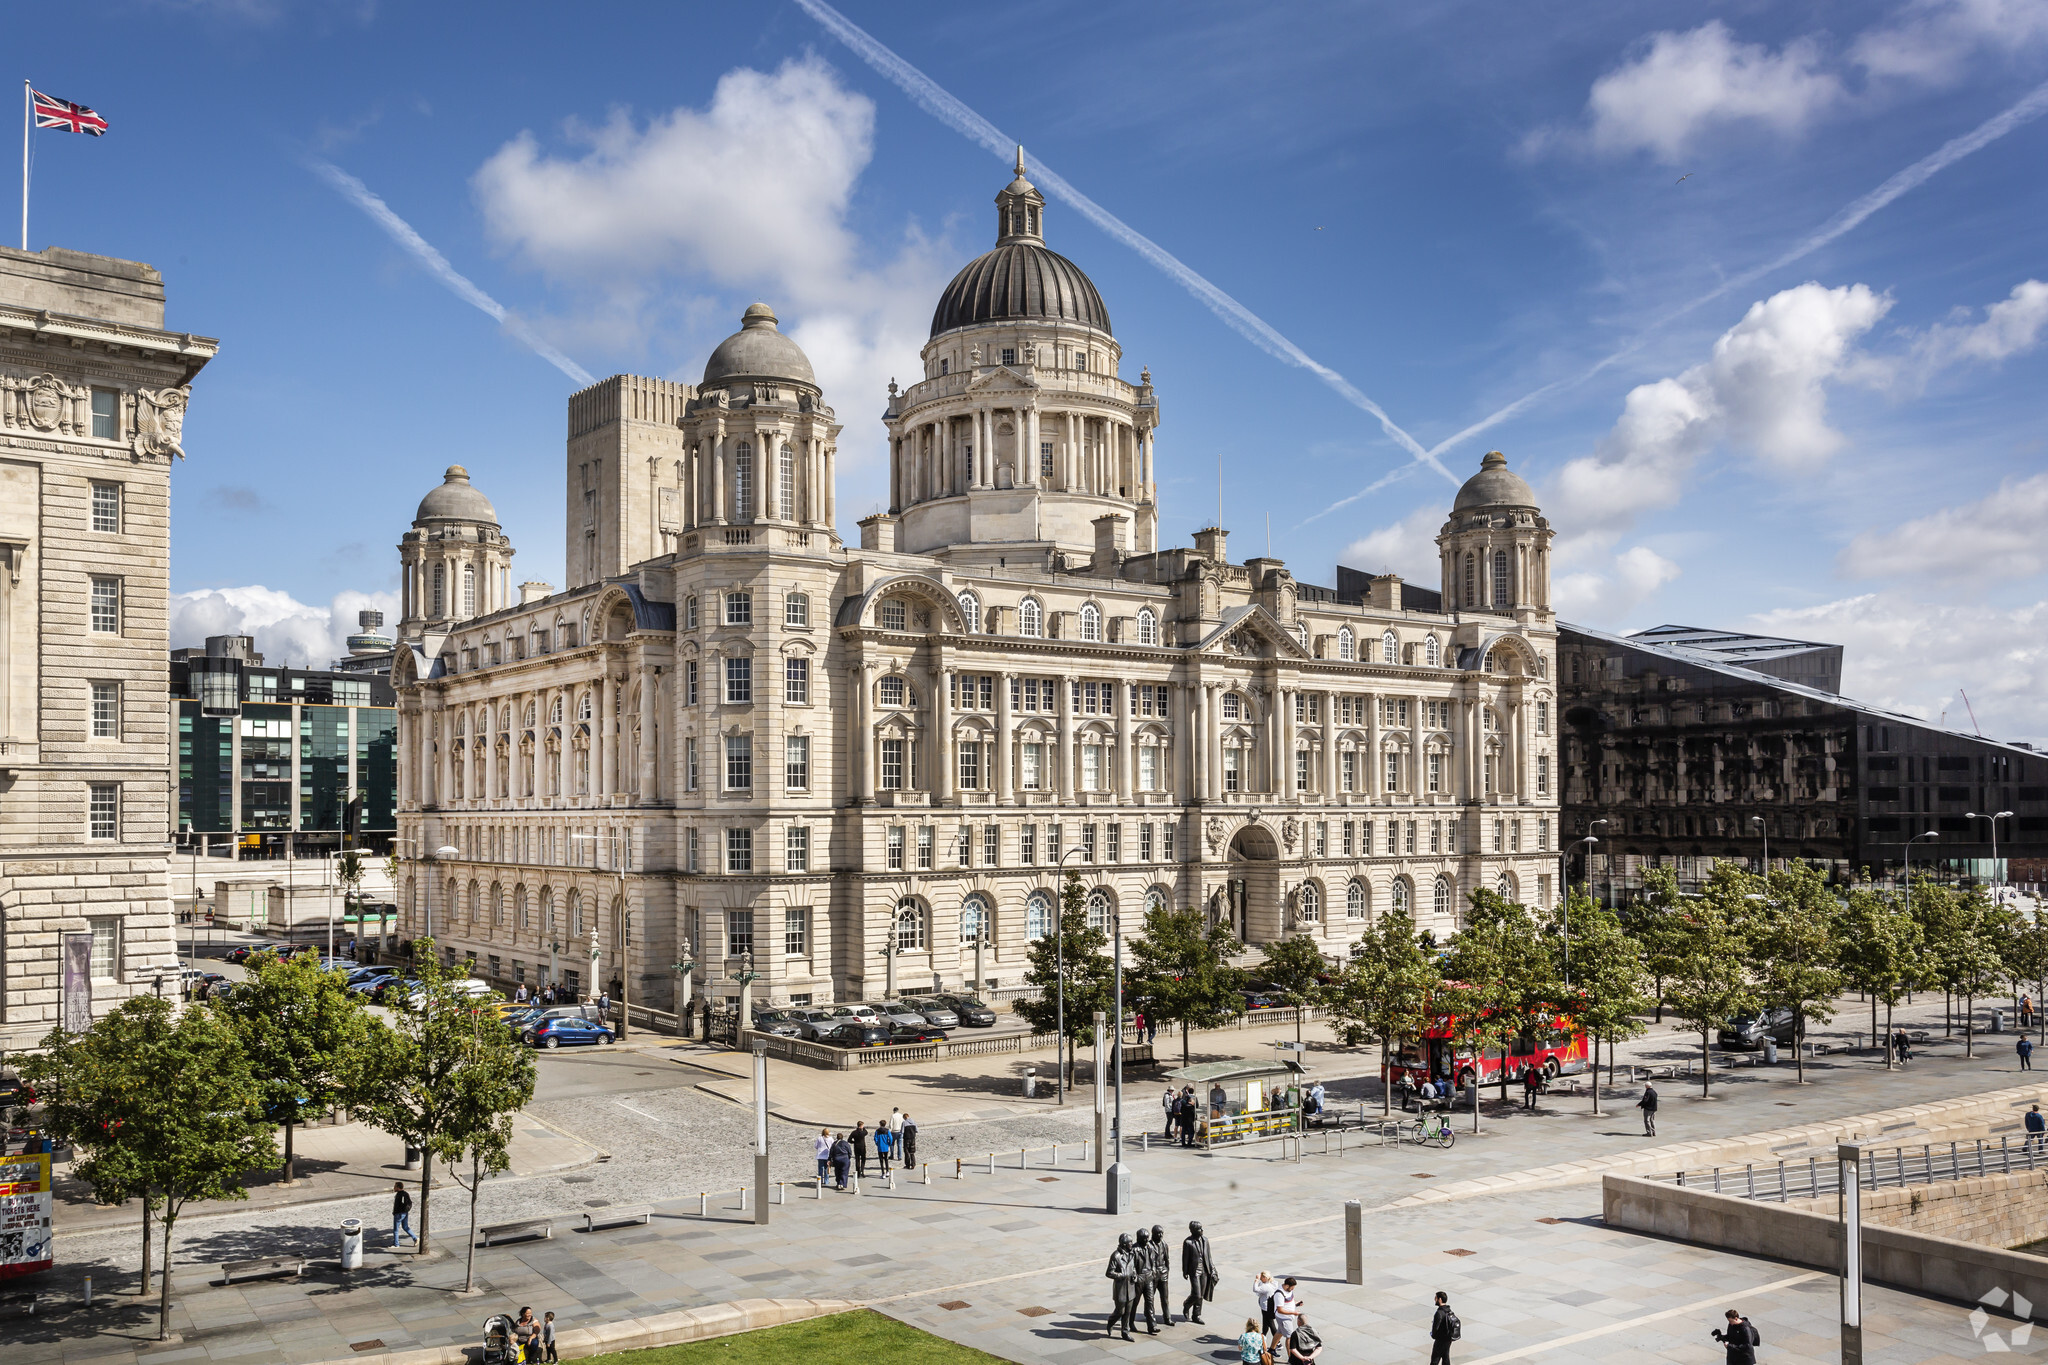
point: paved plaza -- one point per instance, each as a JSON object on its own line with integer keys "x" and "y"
{"x": 1012, "y": 1262}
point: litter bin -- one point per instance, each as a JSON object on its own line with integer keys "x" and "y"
{"x": 412, "y": 1157}
{"x": 1030, "y": 1084}
{"x": 351, "y": 1244}
{"x": 1770, "y": 1051}
{"x": 1998, "y": 1021}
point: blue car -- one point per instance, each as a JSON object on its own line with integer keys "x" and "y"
{"x": 553, "y": 1033}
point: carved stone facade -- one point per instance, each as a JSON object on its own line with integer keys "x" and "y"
{"x": 92, "y": 402}
{"x": 858, "y": 770}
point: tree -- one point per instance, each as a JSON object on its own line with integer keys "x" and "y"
{"x": 85, "y": 1098}
{"x": 1705, "y": 954}
{"x": 1491, "y": 980}
{"x": 1077, "y": 953}
{"x": 1296, "y": 968}
{"x": 1880, "y": 951}
{"x": 298, "y": 1026}
{"x": 165, "y": 1105}
{"x": 1963, "y": 932}
{"x": 494, "y": 1084}
{"x": 1384, "y": 991}
{"x": 1180, "y": 968}
{"x": 407, "y": 1077}
{"x": 1602, "y": 989}
{"x": 1792, "y": 939}
{"x": 2026, "y": 959}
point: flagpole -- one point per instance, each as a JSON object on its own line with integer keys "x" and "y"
{"x": 27, "y": 107}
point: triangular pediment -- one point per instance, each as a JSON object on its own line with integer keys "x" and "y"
{"x": 1001, "y": 379}
{"x": 1252, "y": 633}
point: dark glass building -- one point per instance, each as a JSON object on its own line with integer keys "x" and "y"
{"x": 288, "y": 761}
{"x": 1701, "y": 745}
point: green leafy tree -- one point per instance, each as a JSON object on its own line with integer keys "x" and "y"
{"x": 1296, "y": 968}
{"x": 493, "y": 1085}
{"x": 1077, "y": 955}
{"x": 1603, "y": 982}
{"x": 2026, "y": 960}
{"x": 1492, "y": 979}
{"x": 1880, "y": 951}
{"x": 299, "y": 1026}
{"x": 1792, "y": 935}
{"x": 1384, "y": 992}
{"x": 86, "y": 1095}
{"x": 1705, "y": 953}
{"x": 168, "y": 1102}
{"x": 1180, "y": 968}
{"x": 406, "y": 1078}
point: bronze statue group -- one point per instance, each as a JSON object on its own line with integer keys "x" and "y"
{"x": 1140, "y": 1271}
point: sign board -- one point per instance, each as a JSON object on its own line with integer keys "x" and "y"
{"x": 77, "y": 982}
{"x": 25, "y": 1237}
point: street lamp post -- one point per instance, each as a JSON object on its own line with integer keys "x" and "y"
{"x": 617, "y": 837}
{"x": 684, "y": 965}
{"x": 1119, "y": 1193}
{"x": 1994, "y": 819}
{"x": 760, "y": 1130}
{"x": 1849, "y": 1189}
{"x": 1565, "y": 908}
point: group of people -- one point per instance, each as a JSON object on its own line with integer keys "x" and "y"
{"x": 547, "y": 997}
{"x": 1431, "y": 1089}
{"x": 894, "y": 1140}
{"x": 1140, "y": 1271}
{"x": 1280, "y": 1334}
{"x": 1182, "y": 1112}
{"x": 534, "y": 1338}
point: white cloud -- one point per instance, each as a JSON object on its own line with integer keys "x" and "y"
{"x": 749, "y": 194}
{"x": 287, "y": 631}
{"x": 1604, "y": 595}
{"x": 1931, "y": 41}
{"x": 1920, "y": 659}
{"x": 1763, "y": 390}
{"x": 1407, "y": 548}
{"x": 1998, "y": 537}
{"x": 2010, "y": 326}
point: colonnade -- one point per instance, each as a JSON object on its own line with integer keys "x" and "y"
{"x": 734, "y": 475}
{"x": 946, "y": 456}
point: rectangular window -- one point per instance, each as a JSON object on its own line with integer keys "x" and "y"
{"x": 796, "y": 849}
{"x": 1027, "y": 844}
{"x": 1233, "y": 773}
{"x": 1045, "y": 459}
{"x": 796, "y": 682}
{"x": 1322, "y": 838}
{"x": 690, "y": 765}
{"x": 106, "y": 417}
{"x": 1351, "y": 838}
{"x": 739, "y": 609}
{"x": 963, "y": 846}
{"x": 1515, "y": 836}
{"x": 106, "y": 507}
{"x": 1451, "y": 837}
{"x": 991, "y": 845}
{"x": 970, "y": 765}
{"x": 988, "y": 691}
{"x": 1033, "y": 756}
{"x": 103, "y": 811}
{"x": 1301, "y": 770}
{"x": 739, "y": 682}
{"x": 739, "y": 762}
{"x": 1148, "y": 768}
{"x": 691, "y": 862}
{"x": 106, "y": 710}
{"x": 1543, "y": 774}
{"x": 1144, "y": 843}
{"x": 1087, "y": 843}
{"x": 739, "y": 850}
{"x": 892, "y": 765}
{"x": 1393, "y": 771}
{"x": 1500, "y": 836}
{"x": 1436, "y": 772}
{"x": 690, "y": 613}
{"x": 924, "y": 848}
{"x": 1166, "y": 843}
{"x": 106, "y": 946}
{"x": 894, "y": 841}
{"x": 1436, "y": 836}
{"x": 1113, "y": 844}
{"x": 796, "y": 762}
{"x": 1052, "y": 844}
{"x": 1542, "y": 717}
{"x": 1408, "y": 844}
{"x": 894, "y": 616}
{"x": 106, "y": 606}
{"x": 690, "y": 683}
{"x": 739, "y": 932}
{"x": 1091, "y": 767}
{"x": 796, "y": 931}
{"x": 1009, "y": 355}
{"x": 1542, "y": 835}
{"x": 1347, "y": 767}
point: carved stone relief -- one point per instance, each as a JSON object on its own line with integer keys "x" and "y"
{"x": 160, "y": 421}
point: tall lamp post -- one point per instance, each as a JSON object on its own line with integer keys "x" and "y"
{"x": 1994, "y": 819}
{"x": 684, "y": 965}
{"x": 761, "y": 1130}
{"x": 1119, "y": 1193}
{"x": 1059, "y": 951}
{"x": 1565, "y": 908}
{"x": 616, "y": 838}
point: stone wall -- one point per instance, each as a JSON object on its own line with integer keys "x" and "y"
{"x": 1992, "y": 1210}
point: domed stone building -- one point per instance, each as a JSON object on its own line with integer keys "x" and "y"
{"x": 734, "y": 749}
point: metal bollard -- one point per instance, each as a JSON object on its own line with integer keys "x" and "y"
{"x": 991, "y": 1163}
{"x": 1055, "y": 1156}
{"x": 1750, "y": 1172}
{"x": 1084, "y": 1151}
{"x": 782, "y": 1191}
{"x": 1023, "y": 1158}
{"x": 1145, "y": 1141}
{"x": 703, "y": 1205}
{"x": 1717, "y": 1180}
{"x": 743, "y": 1199}
{"x": 856, "y": 1182}
{"x": 959, "y": 1170}
{"x": 927, "y": 1172}
{"x": 88, "y": 1291}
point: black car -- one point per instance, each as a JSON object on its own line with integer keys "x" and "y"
{"x": 1748, "y": 1031}
{"x": 973, "y": 1014}
{"x": 853, "y": 1033}
{"x": 907, "y": 1033}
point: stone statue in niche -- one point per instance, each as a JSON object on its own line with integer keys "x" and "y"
{"x": 1290, "y": 831}
{"x": 974, "y": 356}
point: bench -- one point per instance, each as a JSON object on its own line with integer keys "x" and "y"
{"x": 622, "y": 1213}
{"x": 524, "y": 1227}
{"x": 262, "y": 1265}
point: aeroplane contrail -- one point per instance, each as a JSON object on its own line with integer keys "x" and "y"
{"x": 936, "y": 101}
{"x": 401, "y": 232}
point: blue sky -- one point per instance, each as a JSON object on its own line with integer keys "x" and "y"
{"x": 1451, "y": 206}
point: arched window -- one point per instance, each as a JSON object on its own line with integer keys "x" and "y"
{"x": 1432, "y": 652}
{"x": 555, "y": 712}
{"x": 1098, "y": 910}
{"x": 440, "y": 587}
{"x": 1471, "y": 579}
{"x": 1401, "y": 899}
{"x": 522, "y": 917}
{"x": 1390, "y": 649}
{"x": 1500, "y": 579}
{"x": 1148, "y": 626}
{"x": 909, "y": 925}
{"x": 575, "y": 913}
{"x": 1355, "y": 900}
{"x": 785, "y": 481}
{"x": 473, "y": 908}
{"x": 1505, "y": 887}
{"x": 527, "y": 719}
{"x": 1442, "y": 900}
{"x": 1347, "y": 644}
{"x": 743, "y": 482}
{"x": 1031, "y": 619}
{"x": 970, "y": 612}
{"x": 583, "y": 705}
{"x": 1311, "y": 903}
{"x": 461, "y": 724}
{"x": 1091, "y": 622}
{"x": 1037, "y": 916}
{"x": 1300, "y": 634}
{"x": 1155, "y": 900}
{"x": 796, "y": 610}
{"x": 547, "y": 912}
{"x": 974, "y": 918}
{"x": 497, "y": 906}
{"x": 505, "y": 719}
{"x": 469, "y": 590}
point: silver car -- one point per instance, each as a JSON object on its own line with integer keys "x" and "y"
{"x": 933, "y": 1011}
{"x": 900, "y": 1014}
{"x": 811, "y": 1022}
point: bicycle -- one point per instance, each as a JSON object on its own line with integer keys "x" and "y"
{"x": 1435, "y": 1128}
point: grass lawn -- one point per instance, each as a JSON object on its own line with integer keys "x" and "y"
{"x": 862, "y": 1337}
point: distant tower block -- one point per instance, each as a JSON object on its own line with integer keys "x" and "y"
{"x": 369, "y": 637}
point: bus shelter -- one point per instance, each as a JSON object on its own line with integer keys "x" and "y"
{"x": 1240, "y": 1100}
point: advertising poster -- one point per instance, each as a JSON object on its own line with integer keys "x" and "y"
{"x": 25, "y": 1238}
{"x": 77, "y": 982}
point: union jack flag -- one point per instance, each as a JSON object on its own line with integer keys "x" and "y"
{"x": 75, "y": 118}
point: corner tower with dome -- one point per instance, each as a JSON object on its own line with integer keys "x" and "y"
{"x": 733, "y": 753}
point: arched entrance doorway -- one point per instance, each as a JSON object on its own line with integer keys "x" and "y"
{"x": 1253, "y": 889}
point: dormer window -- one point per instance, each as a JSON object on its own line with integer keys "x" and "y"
{"x": 1009, "y": 355}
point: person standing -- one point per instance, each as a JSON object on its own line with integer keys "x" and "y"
{"x": 822, "y": 1150}
{"x": 896, "y": 1121}
{"x": 884, "y": 1139}
{"x": 1740, "y": 1338}
{"x": 1648, "y": 1104}
{"x": 1286, "y": 1317}
{"x": 1251, "y": 1346}
{"x": 2025, "y": 1048}
{"x": 909, "y": 1136}
{"x": 401, "y": 1213}
{"x": 859, "y": 1142}
{"x": 1263, "y": 1290}
{"x": 547, "y": 1338}
{"x": 1189, "y": 1115}
{"x": 1168, "y": 1103}
{"x": 842, "y": 1157}
{"x": 2037, "y": 1127}
{"x": 2026, "y": 1011}
{"x": 1444, "y": 1328}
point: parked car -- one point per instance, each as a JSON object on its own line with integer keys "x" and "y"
{"x": 936, "y": 1010}
{"x": 781, "y": 1023}
{"x": 813, "y": 1020}
{"x": 394, "y": 988}
{"x": 972, "y": 1013}
{"x": 921, "y": 1033}
{"x": 899, "y": 1014}
{"x": 365, "y": 973}
{"x": 529, "y": 1024}
{"x": 1748, "y": 1031}
{"x": 239, "y": 953}
{"x": 855, "y": 1011}
{"x": 853, "y": 1033}
{"x": 193, "y": 982}
{"x": 553, "y": 1033}
{"x": 1263, "y": 1000}
{"x": 479, "y": 991}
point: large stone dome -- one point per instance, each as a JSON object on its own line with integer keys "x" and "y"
{"x": 758, "y": 351}
{"x": 456, "y": 500}
{"x": 1018, "y": 281}
{"x": 1495, "y": 485}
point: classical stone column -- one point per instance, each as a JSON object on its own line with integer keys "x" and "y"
{"x": 718, "y": 453}
{"x": 650, "y": 742}
{"x": 862, "y": 748}
{"x": 1283, "y": 786}
{"x": 945, "y": 782}
{"x": 830, "y": 490}
{"x": 1006, "y": 723}
{"x": 1126, "y": 781}
{"x": 1330, "y": 787}
{"x": 1190, "y": 783}
{"x": 1069, "y": 759}
{"x": 1212, "y": 738}
{"x": 604, "y": 725}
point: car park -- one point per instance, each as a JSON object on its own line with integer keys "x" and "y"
{"x": 554, "y": 1033}
{"x": 853, "y": 1033}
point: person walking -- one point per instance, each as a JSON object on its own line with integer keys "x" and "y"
{"x": 884, "y": 1140}
{"x": 547, "y": 1338}
{"x": 401, "y": 1213}
{"x": 1444, "y": 1328}
{"x": 1287, "y": 1307}
{"x": 1532, "y": 1085}
{"x": 1740, "y": 1338}
{"x": 2026, "y": 1011}
{"x": 821, "y": 1148}
{"x": 859, "y": 1140}
{"x": 1188, "y": 1115}
{"x": 1263, "y": 1292}
{"x": 842, "y": 1157}
{"x": 909, "y": 1136}
{"x": 1648, "y": 1104}
{"x": 2037, "y": 1128}
{"x": 1904, "y": 1045}
{"x": 1315, "y": 1100}
{"x": 2025, "y": 1048}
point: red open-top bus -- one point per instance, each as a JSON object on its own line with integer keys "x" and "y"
{"x": 1559, "y": 1049}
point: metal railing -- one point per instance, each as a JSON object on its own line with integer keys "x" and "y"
{"x": 1927, "y": 1163}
